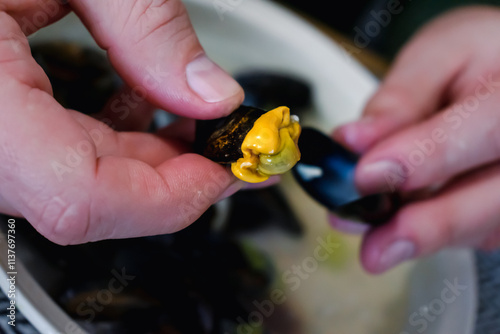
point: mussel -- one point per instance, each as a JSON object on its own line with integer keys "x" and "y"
{"x": 256, "y": 143}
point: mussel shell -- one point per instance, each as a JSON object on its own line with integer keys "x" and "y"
{"x": 326, "y": 172}
{"x": 220, "y": 140}
{"x": 326, "y": 169}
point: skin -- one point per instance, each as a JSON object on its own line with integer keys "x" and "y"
{"x": 441, "y": 98}
{"x": 74, "y": 178}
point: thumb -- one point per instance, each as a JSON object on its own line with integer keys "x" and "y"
{"x": 154, "y": 48}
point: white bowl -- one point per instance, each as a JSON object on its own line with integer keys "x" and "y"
{"x": 436, "y": 295}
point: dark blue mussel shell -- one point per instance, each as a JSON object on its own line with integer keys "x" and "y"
{"x": 326, "y": 172}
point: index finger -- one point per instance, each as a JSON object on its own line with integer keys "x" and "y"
{"x": 153, "y": 46}
{"x": 54, "y": 177}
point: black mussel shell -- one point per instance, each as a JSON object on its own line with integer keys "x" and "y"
{"x": 220, "y": 139}
{"x": 266, "y": 89}
{"x": 326, "y": 172}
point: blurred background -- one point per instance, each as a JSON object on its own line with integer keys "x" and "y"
{"x": 350, "y": 16}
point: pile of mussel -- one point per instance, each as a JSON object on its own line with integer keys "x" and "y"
{"x": 198, "y": 280}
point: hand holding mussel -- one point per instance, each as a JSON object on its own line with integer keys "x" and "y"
{"x": 258, "y": 144}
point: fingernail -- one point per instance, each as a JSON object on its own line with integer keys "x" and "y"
{"x": 348, "y": 226}
{"x": 396, "y": 253}
{"x": 379, "y": 176}
{"x": 353, "y": 134}
{"x": 209, "y": 81}
{"x": 352, "y": 131}
{"x": 231, "y": 190}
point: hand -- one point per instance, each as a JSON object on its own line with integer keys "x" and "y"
{"x": 73, "y": 177}
{"x": 432, "y": 132}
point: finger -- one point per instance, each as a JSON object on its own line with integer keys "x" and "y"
{"x": 416, "y": 86}
{"x": 54, "y": 177}
{"x": 146, "y": 147}
{"x": 464, "y": 214}
{"x": 460, "y": 138}
{"x": 7, "y": 209}
{"x": 347, "y": 226}
{"x": 182, "y": 129}
{"x": 15, "y": 57}
{"x": 32, "y": 15}
{"x": 75, "y": 199}
{"x": 35, "y": 129}
{"x": 128, "y": 198}
{"x": 154, "y": 48}
{"x": 127, "y": 110}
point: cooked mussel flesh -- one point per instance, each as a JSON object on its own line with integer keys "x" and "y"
{"x": 256, "y": 143}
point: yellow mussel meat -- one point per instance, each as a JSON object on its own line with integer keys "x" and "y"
{"x": 270, "y": 147}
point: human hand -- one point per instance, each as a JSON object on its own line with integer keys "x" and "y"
{"x": 432, "y": 133}
{"x": 73, "y": 177}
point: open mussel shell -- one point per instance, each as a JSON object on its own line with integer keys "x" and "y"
{"x": 220, "y": 140}
{"x": 326, "y": 173}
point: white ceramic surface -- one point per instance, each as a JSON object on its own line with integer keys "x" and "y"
{"x": 246, "y": 34}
